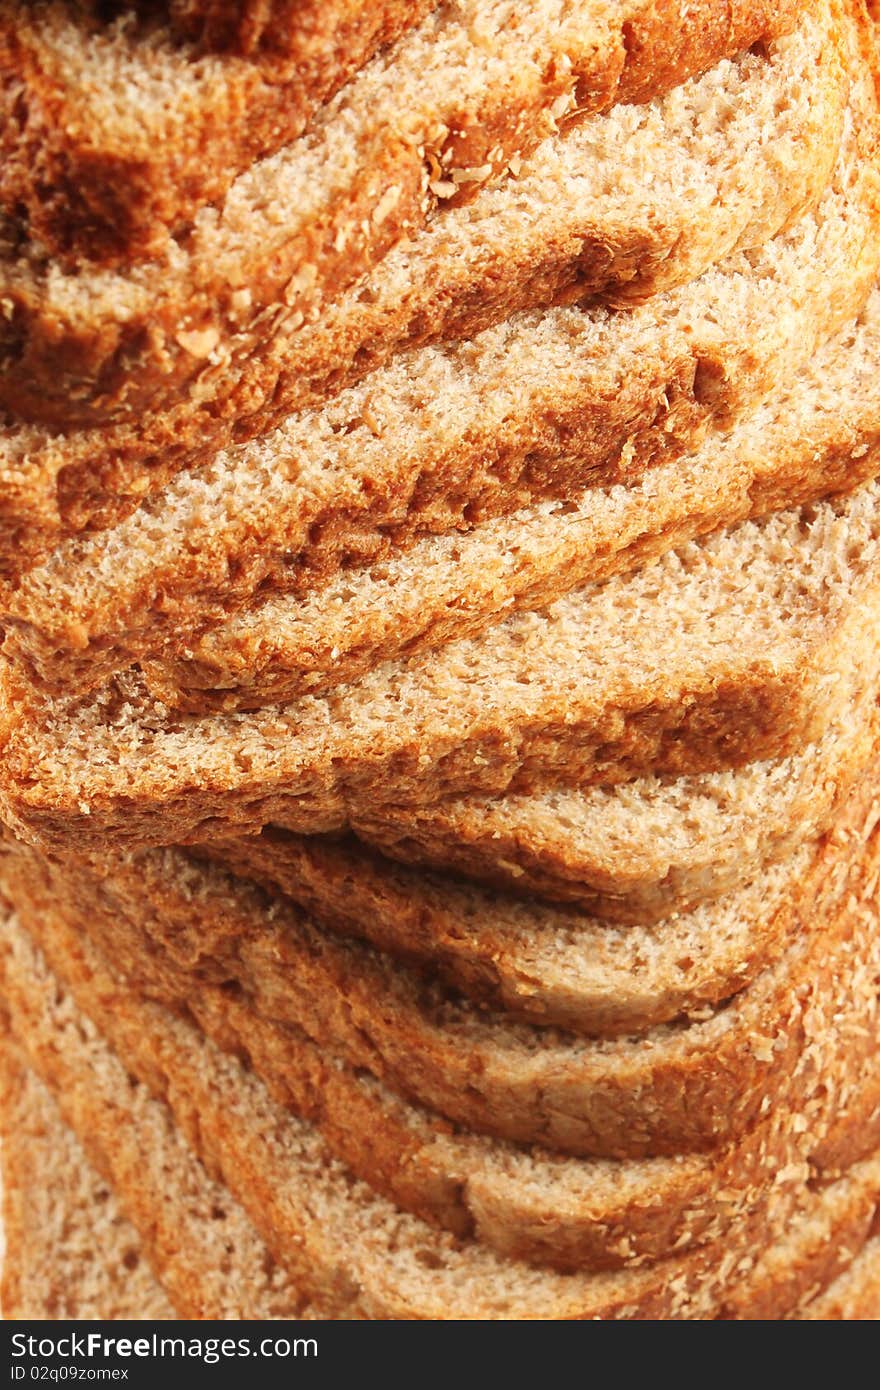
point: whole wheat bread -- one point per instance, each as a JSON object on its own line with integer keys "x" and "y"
{"x": 80, "y": 1238}
{"x": 221, "y": 310}
{"x": 68, "y": 1252}
{"x": 531, "y": 408}
{"x": 631, "y": 854}
{"x": 669, "y": 1089}
{"x": 350, "y": 1249}
{"x": 816, "y": 437}
{"x": 568, "y": 1213}
{"x": 115, "y": 135}
{"x": 681, "y": 667}
{"x": 543, "y": 961}
{"x": 59, "y": 1194}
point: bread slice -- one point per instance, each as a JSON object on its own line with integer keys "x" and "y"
{"x": 545, "y": 962}
{"x": 631, "y": 854}
{"x": 671, "y": 1088}
{"x": 222, "y": 308}
{"x": 568, "y": 1213}
{"x": 69, "y": 1252}
{"x": 114, "y": 135}
{"x": 816, "y": 437}
{"x": 530, "y": 408}
{"x": 681, "y": 667}
{"x": 348, "y": 1247}
{"x": 49, "y": 1169}
{"x": 98, "y": 1283}
{"x": 80, "y": 1239}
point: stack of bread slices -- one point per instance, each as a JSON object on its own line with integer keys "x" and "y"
{"x": 440, "y": 599}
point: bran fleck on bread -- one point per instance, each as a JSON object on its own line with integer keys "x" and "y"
{"x": 69, "y": 1252}
{"x": 681, "y": 667}
{"x": 530, "y": 1204}
{"x": 816, "y": 437}
{"x": 221, "y": 311}
{"x": 351, "y": 1250}
{"x": 631, "y": 854}
{"x": 533, "y": 408}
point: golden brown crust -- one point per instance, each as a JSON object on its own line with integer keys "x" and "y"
{"x": 637, "y": 864}
{"x": 581, "y": 694}
{"x": 45, "y": 1156}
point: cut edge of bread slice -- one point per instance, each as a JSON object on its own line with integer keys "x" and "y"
{"x": 351, "y": 1250}
{"x": 52, "y": 1189}
{"x": 453, "y": 105}
{"x": 633, "y": 854}
{"x": 531, "y": 409}
{"x": 814, "y": 437}
{"x": 671, "y": 1088}
{"x": 647, "y": 673}
{"x": 69, "y": 1253}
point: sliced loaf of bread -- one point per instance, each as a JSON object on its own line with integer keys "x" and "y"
{"x": 817, "y": 437}
{"x": 675, "y": 1087}
{"x": 83, "y": 1229}
{"x": 347, "y": 1248}
{"x": 744, "y": 646}
{"x": 221, "y": 310}
{"x": 53, "y": 1191}
{"x": 568, "y": 1213}
{"x": 534, "y": 407}
{"x": 631, "y": 854}
{"x": 662, "y": 854}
